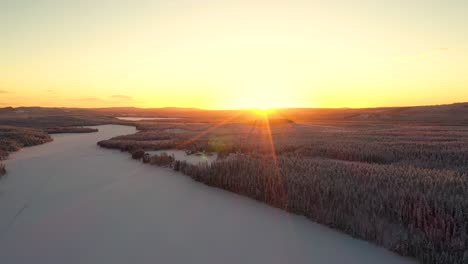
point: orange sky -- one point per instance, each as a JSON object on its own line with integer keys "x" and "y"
{"x": 233, "y": 54}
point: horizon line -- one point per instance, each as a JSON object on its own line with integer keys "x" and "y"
{"x": 232, "y": 109}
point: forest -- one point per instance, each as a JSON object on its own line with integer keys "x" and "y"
{"x": 401, "y": 186}
{"x": 14, "y": 138}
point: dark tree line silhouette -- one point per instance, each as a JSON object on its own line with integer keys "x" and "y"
{"x": 61, "y": 130}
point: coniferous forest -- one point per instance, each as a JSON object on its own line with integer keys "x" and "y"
{"x": 403, "y": 187}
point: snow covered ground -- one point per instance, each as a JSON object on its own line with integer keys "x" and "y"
{"x": 70, "y": 201}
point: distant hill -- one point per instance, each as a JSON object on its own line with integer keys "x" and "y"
{"x": 453, "y": 114}
{"x": 440, "y": 114}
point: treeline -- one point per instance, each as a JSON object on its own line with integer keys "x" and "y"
{"x": 62, "y": 120}
{"x": 131, "y": 145}
{"x": 60, "y": 130}
{"x": 426, "y": 147}
{"x": 14, "y": 138}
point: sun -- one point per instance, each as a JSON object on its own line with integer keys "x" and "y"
{"x": 260, "y": 108}
{"x": 263, "y": 111}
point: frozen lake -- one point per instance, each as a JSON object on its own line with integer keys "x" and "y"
{"x": 70, "y": 201}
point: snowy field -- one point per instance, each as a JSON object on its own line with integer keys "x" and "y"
{"x": 70, "y": 201}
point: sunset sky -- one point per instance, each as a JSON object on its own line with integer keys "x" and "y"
{"x": 233, "y": 54}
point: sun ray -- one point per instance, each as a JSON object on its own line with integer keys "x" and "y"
{"x": 196, "y": 137}
{"x": 277, "y": 172}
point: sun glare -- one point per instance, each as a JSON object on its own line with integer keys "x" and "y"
{"x": 261, "y": 111}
